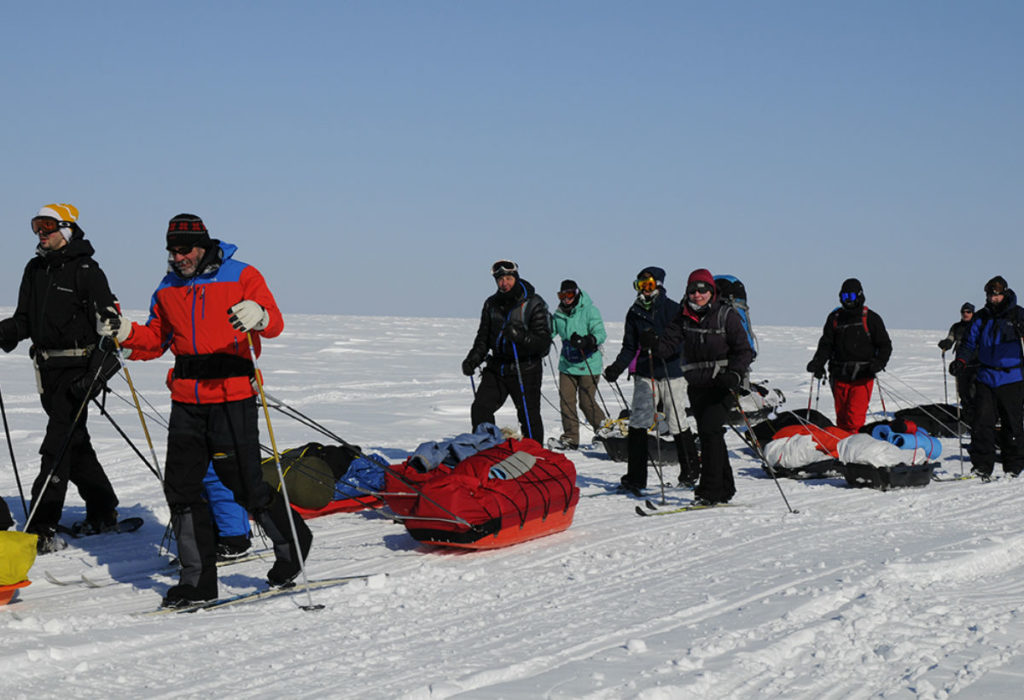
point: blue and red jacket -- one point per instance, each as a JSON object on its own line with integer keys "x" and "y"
{"x": 190, "y": 316}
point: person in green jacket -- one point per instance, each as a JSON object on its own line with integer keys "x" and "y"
{"x": 578, "y": 323}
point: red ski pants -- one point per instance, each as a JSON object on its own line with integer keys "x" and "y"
{"x": 852, "y": 399}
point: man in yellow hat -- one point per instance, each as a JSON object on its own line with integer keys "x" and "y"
{"x": 62, "y": 291}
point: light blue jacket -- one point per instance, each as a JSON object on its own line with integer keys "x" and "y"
{"x": 583, "y": 318}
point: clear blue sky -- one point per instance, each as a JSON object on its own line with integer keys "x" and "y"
{"x": 376, "y": 157}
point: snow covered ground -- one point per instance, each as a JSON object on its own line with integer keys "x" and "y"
{"x": 913, "y": 593}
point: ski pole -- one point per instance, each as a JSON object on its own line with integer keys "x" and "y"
{"x": 810, "y": 390}
{"x": 680, "y": 417}
{"x": 138, "y": 406}
{"x": 881, "y": 397}
{"x": 63, "y": 448}
{"x": 597, "y": 387}
{"x": 280, "y": 476}
{"x": 760, "y": 452}
{"x": 103, "y": 411}
{"x": 945, "y": 391}
{"x": 14, "y": 463}
{"x": 522, "y": 391}
{"x": 472, "y": 384}
{"x": 657, "y": 431}
{"x": 622, "y": 397}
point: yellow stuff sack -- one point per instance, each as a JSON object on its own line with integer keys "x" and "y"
{"x": 17, "y": 554}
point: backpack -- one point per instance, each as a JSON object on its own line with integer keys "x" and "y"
{"x": 732, "y": 292}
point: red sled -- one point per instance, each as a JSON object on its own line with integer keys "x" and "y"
{"x": 344, "y": 505}
{"x": 7, "y": 592}
{"x": 506, "y": 494}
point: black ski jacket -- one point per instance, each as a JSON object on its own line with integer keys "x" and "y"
{"x": 657, "y": 318}
{"x": 61, "y": 292}
{"x": 713, "y": 342}
{"x": 855, "y": 344}
{"x": 520, "y": 305}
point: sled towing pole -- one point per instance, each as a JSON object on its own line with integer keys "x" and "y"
{"x": 280, "y": 476}
{"x": 760, "y": 453}
{"x": 14, "y": 463}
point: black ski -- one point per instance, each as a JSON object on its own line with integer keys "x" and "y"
{"x": 261, "y": 594}
{"x": 684, "y": 509}
{"x": 76, "y": 530}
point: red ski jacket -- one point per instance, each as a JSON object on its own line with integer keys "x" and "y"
{"x": 190, "y": 316}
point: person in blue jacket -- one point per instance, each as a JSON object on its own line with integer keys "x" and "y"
{"x": 996, "y": 340}
{"x": 580, "y": 326}
{"x": 657, "y": 380}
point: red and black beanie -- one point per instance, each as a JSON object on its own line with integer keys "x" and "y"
{"x": 701, "y": 275}
{"x": 187, "y": 230}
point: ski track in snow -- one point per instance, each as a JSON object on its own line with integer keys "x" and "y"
{"x": 911, "y": 593}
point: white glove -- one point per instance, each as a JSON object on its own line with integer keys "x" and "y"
{"x": 248, "y": 316}
{"x": 113, "y": 325}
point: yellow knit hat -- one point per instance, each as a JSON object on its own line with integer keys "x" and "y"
{"x": 60, "y": 212}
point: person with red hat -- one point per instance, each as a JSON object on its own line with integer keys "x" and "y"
{"x": 716, "y": 360}
{"x": 207, "y": 310}
{"x": 62, "y": 291}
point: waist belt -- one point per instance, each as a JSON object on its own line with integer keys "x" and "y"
{"x": 716, "y": 365}
{"x": 212, "y": 366}
{"x": 68, "y": 352}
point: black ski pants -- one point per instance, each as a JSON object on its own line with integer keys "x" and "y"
{"x": 6, "y": 521}
{"x": 709, "y": 408}
{"x": 1006, "y": 403}
{"x": 78, "y": 465}
{"x": 226, "y": 434}
{"x": 495, "y": 388}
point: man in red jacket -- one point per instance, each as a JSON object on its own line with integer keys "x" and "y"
{"x": 203, "y": 310}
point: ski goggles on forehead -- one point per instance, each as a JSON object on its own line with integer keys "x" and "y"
{"x": 699, "y": 288}
{"x": 44, "y": 224}
{"x": 646, "y": 284}
{"x": 848, "y": 296}
{"x": 504, "y": 267}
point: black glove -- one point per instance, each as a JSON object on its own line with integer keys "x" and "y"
{"x": 648, "y": 339}
{"x": 729, "y": 379}
{"x": 103, "y": 365}
{"x": 876, "y": 366}
{"x": 470, "y": 364}
{"x": 8, "y": 335}
{"x": 516, "y": 332}
{"x": 957, "y": 367}
{"x": 584, "y": 343}
{"x": 945, "y": 344}
{"x": 816, "y": 368}
{"x": 1018, "y": 325}
{"x": 611, "y": 373}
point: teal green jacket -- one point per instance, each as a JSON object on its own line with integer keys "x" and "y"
{"x": 583, "y": 318}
